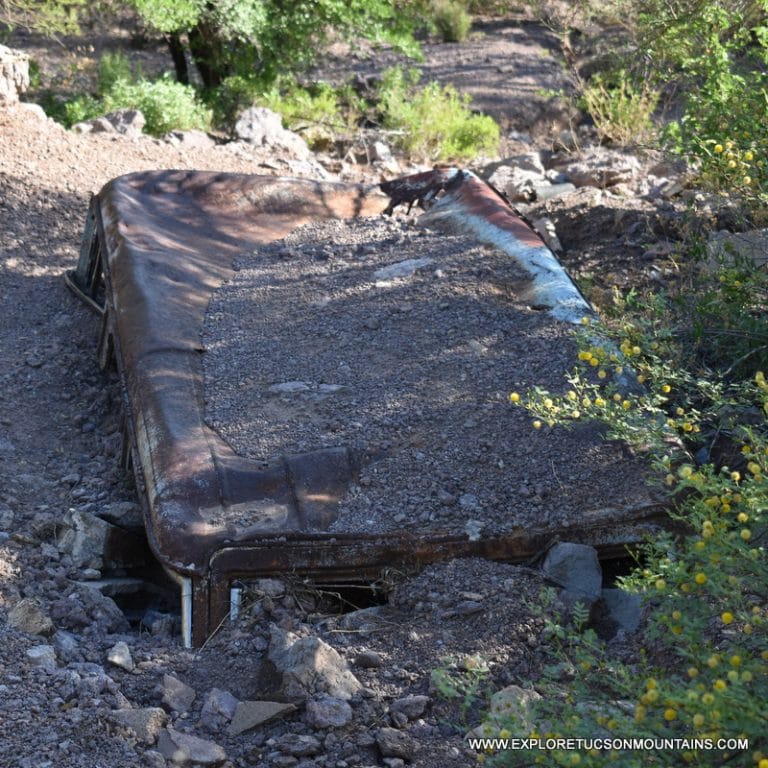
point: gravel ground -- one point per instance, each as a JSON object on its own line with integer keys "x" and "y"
{"x": 402, "y": 344}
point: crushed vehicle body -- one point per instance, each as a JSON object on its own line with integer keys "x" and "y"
{"x": 157, "y": 247}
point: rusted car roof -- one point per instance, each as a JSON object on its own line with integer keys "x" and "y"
{"x": 156, "y": 246}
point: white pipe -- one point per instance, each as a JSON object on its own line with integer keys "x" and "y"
{"x": 235, "y": 601}
{"x": 186, "y": 611}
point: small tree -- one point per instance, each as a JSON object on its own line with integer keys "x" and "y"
{"x": 259, "y": 39}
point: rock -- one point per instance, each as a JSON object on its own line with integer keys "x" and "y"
{"x": 159, "y": 624}
{"x": 249, "y": 714}
{"x": 192, "y": 139}
{"x": 28, "y": 616}
{"x": 128, "y": 122}
{"x": 328, "y": 712}
{"x": 381, "y": 152}
{"x": 185, "y": 749}
{"x": 101, "y": 125}
{"x": 516, "y": 177}
{"x": 67, "y": 646}
{"x": 394, "y": 743}
{"x": 43, "y": 656}
{"x": 146, "y": 723}
{"x": 515, "y": 703}
{"x": 623, "y": 608}
{"x": 298, "y": 745}
{"x": 548, "y": 191}
{"x": 289, "y": 387}
{"x": 411, "y": 707}
{"x": 274, "y": 588}
{"x": 576, "y": 569}
{"x": 177, "y": 695}
{"x": 124, "y": 514}
{"x": 263, "y": 127}
{"x": 94, "y": 543}
{"x": 218, "y": 708}
{"x": 726, "y": 247}
{"x": 120, "y": 655}
{"x": 401, "y": 269}
{"x": 309, "y": 665}
{"x": 14, "y": 75}
{"x": 368, "y": 660}
{"x": 601, "y": 167}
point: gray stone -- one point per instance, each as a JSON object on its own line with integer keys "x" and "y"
{"x": 411, "y": 707}
{"x": 601, "y": 167}
{"x": 273, "y": 588}
{"x": 192, "y": 139}
{"x": 146, "y": 723}
{"x": 218, "y": 708}
{"x": 28, "y": 616}
{"x": 128, "y": 122}
{"x": 43, "y": 656}
{"x": 576, "y": 569}
{"x": 401, "y": 269}
{"x": 394, "y": 743}
{"x": 309, "y": 665}
{"x": 381, "y": 152}
{"x": 730, "y": 246}
{"x": 264, "y": 128}
{"x": 516, "y": 177}
{"x": 328, "y": 712}
{"x": 125, "y": 514}
{"x": 101, "y": 125}
{"x": 624, "y": 608}
{"x": 516, "y": 702}
{"x": 369, "y": 660}
{"x": 289, "y": 387}
{"x": 249, "y": 714}
{"x": 14, "y": 75}
{"x": 94, "y": 543}
{"x": 66, "y": 645}
{"x": 120, "y": 655}
{"x": 185, "y": 749}
{"x": 177, "y": 695}
{"x": 298, "y": 745}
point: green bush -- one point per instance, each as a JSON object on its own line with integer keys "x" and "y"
{"x": 434, "y": 122}
{"x": 702, "y": 671}
{"x": 451, "y": 20}
{"x": 166, "y": 104}
{"x": 621, "y": 111}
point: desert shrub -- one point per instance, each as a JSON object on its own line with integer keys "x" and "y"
{"x": 434, "y": 122}
{"x": 451, "y": 20}
{"x": 318, "y": 111}
{"x": 701, "y": 417}
{"x": 166, "y": 104}
{"x": 620, "y": 110}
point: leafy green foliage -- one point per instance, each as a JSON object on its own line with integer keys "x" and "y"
{"x": 434, "y": 122}
{"x": 701, "y": 417}
{"x": 267, "y": 38}
{"x": 621, "y": 111}
{"x": 166, "y": 104}
{"x": 451, "y": 20}
{"x": 49, "y": 17}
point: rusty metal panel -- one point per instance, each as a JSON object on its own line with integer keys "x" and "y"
{"x": 165, "y": 241}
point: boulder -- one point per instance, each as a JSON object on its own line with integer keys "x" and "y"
{"x": 14, "y": 75}
{"x": 309, "y": 666}
{"x": 146, "y": 723}
{"x": 576, "y": 569}
{"x": 264, "y": 128}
